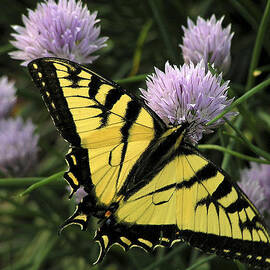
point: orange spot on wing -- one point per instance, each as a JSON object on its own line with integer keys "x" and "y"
{"x": 108, "y": 214}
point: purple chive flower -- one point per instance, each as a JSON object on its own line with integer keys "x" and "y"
{"x": 65, "y": 30}
{"x": 207, "y": 40}
{"x": 78, "y": 195}
{"x": 18, "y": 151}
{"x": 189, "y": 94}
{"x": 255, "y": 182}
{"x": 7, "y": 96}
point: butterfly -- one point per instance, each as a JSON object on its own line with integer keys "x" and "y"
{"x": 147, "y": 186}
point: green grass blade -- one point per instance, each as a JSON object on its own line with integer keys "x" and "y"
{"x": 234, "y": 153}
{"x": 264, "y": 25}
{"x": 133, "y": 79}
{"x": 252, "y": 147}
{"x": 163, "y": 29}
{"x": 176, "y": 250}
{"x": 18, "y": 182}
{"x": 43, "y": 182}
{"x": 200, "y": 262}
{"x": 139, "y": 47}
{"x": 46, "y": 243}
{"x": 245, "y": 13}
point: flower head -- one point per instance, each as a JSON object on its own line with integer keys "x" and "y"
{"x": 255, "y": 182}
{"x": 18, "y": 151}
{"x": 187, "y": 94}
{"x": 7, "y": 96}
{"x": 207, "y": 40}
{"x": 66, "y": 30}
{"x": 79, "y": 194}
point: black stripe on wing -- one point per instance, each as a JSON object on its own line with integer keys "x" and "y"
{"x": 79, "y": 171}
{"x": 146, "y": 237}
{"x": 45, "y": 78}
{"x": 254, "y": 253}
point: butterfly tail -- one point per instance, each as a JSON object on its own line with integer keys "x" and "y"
{"x": 145, "y": 237}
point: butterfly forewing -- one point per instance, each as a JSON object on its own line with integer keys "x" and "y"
{"x": 95, "y": 114}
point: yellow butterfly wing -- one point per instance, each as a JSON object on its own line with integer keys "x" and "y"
{"x": 191, "y": 200}
{"x": 144, "y": 183}
{"x": 106, "y": 127}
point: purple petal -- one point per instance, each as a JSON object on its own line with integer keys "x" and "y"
{"x": 66, "y": 30}
{"x": 190, "y": 94}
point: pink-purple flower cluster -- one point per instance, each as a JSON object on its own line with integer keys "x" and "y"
{"x": 78, "y": 195}
{"x": 207, "y": 40}
{"x": 255, "y": 182}
{"x": 188, "y": 93}
{"x": 18, "y": 151}
{"x": 65, "y": 29}
{"x": 7, "y": 96}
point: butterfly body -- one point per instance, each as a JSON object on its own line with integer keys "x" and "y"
{"x": 144, "y": 182}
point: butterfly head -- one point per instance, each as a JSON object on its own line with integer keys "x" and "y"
{"x": 176, "y": 134}
{"x": 184, "y": 126}
{"x": 181, "y": 127}
{"x": 188, "y": 131}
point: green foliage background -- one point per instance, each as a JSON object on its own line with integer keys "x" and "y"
{"x": 143, "y": 34}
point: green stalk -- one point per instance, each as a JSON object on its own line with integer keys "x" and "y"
{"x": 258, "y": 45}
{"x": 233, "y": 136}
{"x": 252, "y": 147}
{"x": 170, "y": 255}
{"x": 200, "y": 262}
{"x": 244, "y": 13}
{"x": 137, "y": 78}
{"x": 163, "y": 29}
{"x": 240, "y": 100}
{"x": 46, "y": 243}
{"x": 139, "y": 47}
{"x": 234, "y": 153}
{"x": 43, "y": 182}
{"x": 259, "y": 70}
{"x": 18, "y": 182}
{"x": 227, "y": 157}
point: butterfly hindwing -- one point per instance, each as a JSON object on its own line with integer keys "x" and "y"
{"x": 200, "y": 205}
{"x": 146, "y": 237}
